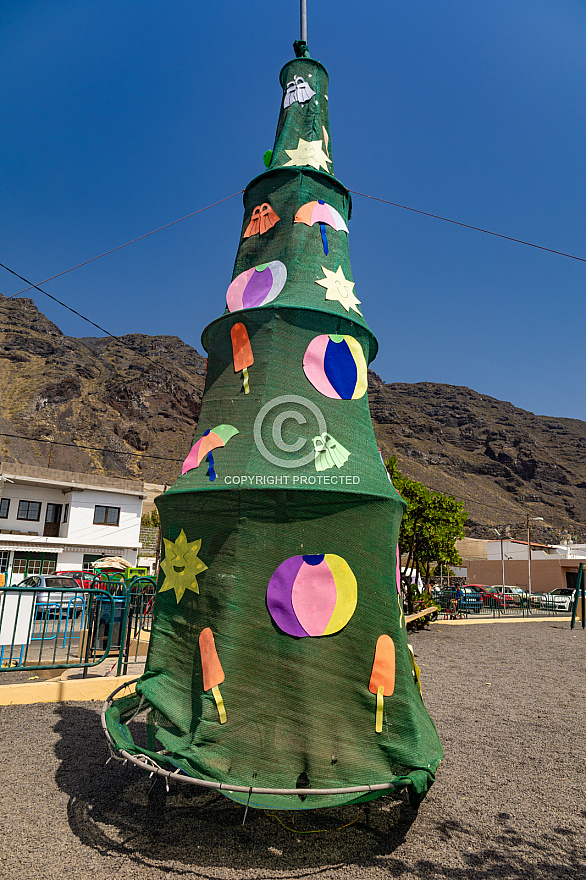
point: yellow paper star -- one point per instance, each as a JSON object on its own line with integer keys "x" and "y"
{"x": 181, "y": 565}
{"x": 309, "y": 153}
{"x": 339, "y": 288}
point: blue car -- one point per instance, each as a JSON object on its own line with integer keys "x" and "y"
{"x": 463, "y": 600}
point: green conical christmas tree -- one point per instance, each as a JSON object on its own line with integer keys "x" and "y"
{"x": 279, "y": 656}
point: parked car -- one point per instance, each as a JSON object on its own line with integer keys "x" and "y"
{"x": 505, "y": 595}
{"x": 490, "y": 598}
{"x": 54, "y": 593}
{"x": 521, "y": 597}
{"x": 560, "y": 599}
{"x": 462, "y": 599}
{"x": 83, "y": 578}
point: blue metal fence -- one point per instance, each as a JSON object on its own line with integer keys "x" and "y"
{"x": 64, "y": 628}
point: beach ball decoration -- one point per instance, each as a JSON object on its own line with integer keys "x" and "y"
{"x": 257, "y": 286}
{"x": 312, "y": 595}
{"x": 335, "y": 365}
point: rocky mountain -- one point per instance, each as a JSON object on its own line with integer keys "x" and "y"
{"x": 129, "y": 406}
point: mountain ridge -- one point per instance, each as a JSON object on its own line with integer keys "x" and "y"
{"x": 139, "y": 396}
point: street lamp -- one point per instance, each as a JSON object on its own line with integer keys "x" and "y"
{"x": 530, "y": 519}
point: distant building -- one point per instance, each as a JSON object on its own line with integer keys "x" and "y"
{"x": 552, "y": 565}
{"x": 57, "y": 520}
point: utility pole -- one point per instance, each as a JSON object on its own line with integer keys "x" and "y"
{"x": 530, "y": 519}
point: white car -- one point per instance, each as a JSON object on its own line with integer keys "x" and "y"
{"x": 55, "y": 594}
{"x": 557, "y": 600}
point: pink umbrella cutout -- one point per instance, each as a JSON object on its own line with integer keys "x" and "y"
{"x": 322, "y": 213}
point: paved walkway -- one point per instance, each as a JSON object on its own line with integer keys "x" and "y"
{"x": 465, "y": 621}
{"x": 508, "y": 803}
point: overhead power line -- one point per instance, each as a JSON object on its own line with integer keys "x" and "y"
{"x": 94, "y": 448}
{"x": 89, "y": 321}
{"x": 168, "y": 458}
{"x": 120, "y": 246}
{"x": 353, "y": 191}
{"x": 469, "y": 226}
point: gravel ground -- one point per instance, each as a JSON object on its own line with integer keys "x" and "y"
{"x": 509, "y": 704}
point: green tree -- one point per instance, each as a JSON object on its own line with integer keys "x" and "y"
{"x": 151, "y": 519}
{"x": 432, "y": 523}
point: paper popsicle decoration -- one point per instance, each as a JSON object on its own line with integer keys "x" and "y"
{"x": 213, "y": 674}
{"x": 382, "y": 677}
{"x": 243, "y": 357}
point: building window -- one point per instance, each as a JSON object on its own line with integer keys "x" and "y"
{"x": 4, "y": 557}
{"x": 4, "y": 507}
{"x": 106, "y": 516}
{"x": 30, "y": 510}
{"x": 66, "y": 513}
{"x": 88, "y": 558}
{"x": 34, "y": 563}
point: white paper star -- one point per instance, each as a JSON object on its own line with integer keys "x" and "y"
{"x": 339, "y": 288}
{"x": 308, "y": 153}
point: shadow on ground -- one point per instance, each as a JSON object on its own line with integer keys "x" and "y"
{"x": 118, "y": 811}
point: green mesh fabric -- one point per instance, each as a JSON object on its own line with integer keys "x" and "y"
{"x": 282, "y": 707}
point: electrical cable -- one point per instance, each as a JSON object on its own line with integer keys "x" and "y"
{"x": 94, "y": 448}
{"x": 161, "y": 366}
{"x": 353, "y": 191}
{"x": 469, "y": 226}
{"x": 272, "y": 815}
{"x": 167, "y": 458}
{"x": 118, "y": 339}
{"x": 120, "y": 246}
{"x": 83, "y": 317}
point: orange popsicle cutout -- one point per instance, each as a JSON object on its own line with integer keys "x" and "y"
{"x": 213, "y": 674}
{"x": 382, "y": 677}
{"x": 243, "y": 357}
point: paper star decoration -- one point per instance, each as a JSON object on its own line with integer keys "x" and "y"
{"x": 339, "y": 288}
{"x": 309, "y": 153}
{"x": 181, "y": 565}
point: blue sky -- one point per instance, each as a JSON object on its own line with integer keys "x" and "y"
{"x": 120, "y": 117}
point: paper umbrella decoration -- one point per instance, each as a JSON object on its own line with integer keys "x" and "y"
{"x": 219, "y": 436}
{"x": 328, "y": 452}
{"x": 263, "y": 218}
{"x": 257, "y": 286}
{"x": 322, "y": 213}
{"x": 298, "y": 91}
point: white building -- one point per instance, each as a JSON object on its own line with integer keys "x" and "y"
{"x": 58, "y": 520}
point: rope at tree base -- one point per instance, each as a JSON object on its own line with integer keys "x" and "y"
{"x": 272, "y": 815}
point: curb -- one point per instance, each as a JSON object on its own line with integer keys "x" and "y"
{"x": 487, "y": 620}
{"x": 81, "y": 690}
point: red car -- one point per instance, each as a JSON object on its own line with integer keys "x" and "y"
{"x": 83, "y": 578}
{"x": 491, "y": 598}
